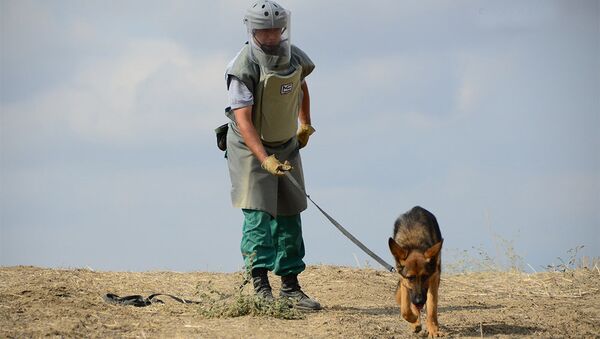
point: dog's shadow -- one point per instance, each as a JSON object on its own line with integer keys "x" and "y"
{"x": 396, "y": 311}
{"x": 467, "y": 308}
{"x": 498, "y": 328}
{"x": 491, "y": 329}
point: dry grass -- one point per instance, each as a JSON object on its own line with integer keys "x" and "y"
{"x": 572, "y": 285}
{"x": 358, "y": 303}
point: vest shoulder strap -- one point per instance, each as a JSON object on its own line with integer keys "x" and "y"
{"x": 245, "y": 70}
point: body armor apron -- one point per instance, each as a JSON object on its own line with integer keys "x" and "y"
{"x": 277, "y": 104}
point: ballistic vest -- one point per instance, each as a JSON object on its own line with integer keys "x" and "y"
{"x": 277, "y": 97}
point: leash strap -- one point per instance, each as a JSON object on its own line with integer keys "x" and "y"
{"x": 139, "y": 301}
{"x": 341, "y": 228}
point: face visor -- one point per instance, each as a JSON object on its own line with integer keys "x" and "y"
{"x": 268, "y": 26}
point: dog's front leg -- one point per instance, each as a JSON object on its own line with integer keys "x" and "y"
{"x": 432, "y": 303}
{"x": 406, "y": 308}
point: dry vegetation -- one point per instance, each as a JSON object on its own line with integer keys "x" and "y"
{"x": 358, "y": 303}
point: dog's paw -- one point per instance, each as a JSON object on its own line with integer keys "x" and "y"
{"x": 435, "y": 334}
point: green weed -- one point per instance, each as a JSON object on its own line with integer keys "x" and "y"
{"x": 239, "y": 302}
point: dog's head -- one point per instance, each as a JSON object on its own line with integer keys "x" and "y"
{"x": 416, "y": 268}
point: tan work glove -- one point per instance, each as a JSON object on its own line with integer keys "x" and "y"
{"x": 273, "y": 166}
{"x": 304, "y": 132}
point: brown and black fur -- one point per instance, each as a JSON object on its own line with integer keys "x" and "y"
{"x": 416, "y": 246}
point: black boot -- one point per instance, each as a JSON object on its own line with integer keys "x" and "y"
{"x": 290, "y": 288}
{"x": 260, "y": 280}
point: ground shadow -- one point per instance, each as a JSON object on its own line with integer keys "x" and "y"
{"x": 491, "y": 329}
{"x": 396, "y": 310}
{"x": 468, "y": 308}
{"x": 366, "y": 310}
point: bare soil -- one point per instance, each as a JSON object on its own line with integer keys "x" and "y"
{"x": 358, "y": 303}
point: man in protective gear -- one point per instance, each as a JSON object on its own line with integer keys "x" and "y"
{"x": 270, "y": 122}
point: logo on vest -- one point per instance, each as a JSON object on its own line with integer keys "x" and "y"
{"x": 286, "y": 88}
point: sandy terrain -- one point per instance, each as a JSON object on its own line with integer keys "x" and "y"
{"x": 358, "y": 303}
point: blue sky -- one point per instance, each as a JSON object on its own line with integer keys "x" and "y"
{"x": 486, "y": 113}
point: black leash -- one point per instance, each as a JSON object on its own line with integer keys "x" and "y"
{"x": 139, "y": 301}
{"x": 341, "y": 228}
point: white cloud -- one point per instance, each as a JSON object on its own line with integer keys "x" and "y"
{"x": 517, "y": 15}
{"x": 481, "y": 76}
{"x": 417, "y": 91}
{"x": 114, "y": 101}
{"x": 423, "y": 103}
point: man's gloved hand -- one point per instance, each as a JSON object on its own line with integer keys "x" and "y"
{"x": 273, "y": 166}
{"x": 304, "y": 132}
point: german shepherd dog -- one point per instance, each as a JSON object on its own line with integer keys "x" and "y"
{"x": 416, "y": 247}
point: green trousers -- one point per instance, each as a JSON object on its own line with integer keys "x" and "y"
{"x": 272, "y": 243}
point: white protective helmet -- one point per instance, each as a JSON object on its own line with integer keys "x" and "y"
{"x": 268, "y": 25}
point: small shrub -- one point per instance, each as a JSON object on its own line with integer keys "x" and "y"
{"x": 570, "y": 264}
{"x": 217, "y": 304}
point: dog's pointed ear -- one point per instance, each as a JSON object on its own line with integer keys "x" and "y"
{"x": 399, "y": 253}
{"x": 433, "y": 250}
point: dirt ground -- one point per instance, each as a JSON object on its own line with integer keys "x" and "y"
{"x": 358, "y": 303}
